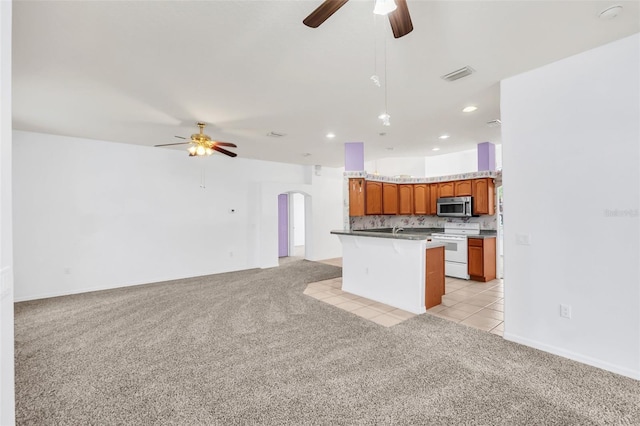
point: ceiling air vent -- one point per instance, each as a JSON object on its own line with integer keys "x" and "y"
{"x": 494, "y": 123}
{"x": 275, "y": 134}
{"x": 458, "y": 74}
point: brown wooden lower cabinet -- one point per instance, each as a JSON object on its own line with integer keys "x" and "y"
{"x": 482, "y": 259}
{"x": 434, "y": 277}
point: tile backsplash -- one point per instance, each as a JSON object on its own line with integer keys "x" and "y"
{"x": 387, "y": 221}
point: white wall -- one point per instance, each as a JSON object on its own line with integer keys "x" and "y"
{"x": 7, "y": 406}
{"x": 93, "y": 215}
{"x": 433, "y": 166}
{"x": 393, "y": 166}
{"x": 571, "y": 133}
{"x": 327, "y": 214}
{"x": 298, "y": 219}
{"x": 457, "y": 162}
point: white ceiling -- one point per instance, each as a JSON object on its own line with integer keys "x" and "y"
{"x": 142, "y": 72}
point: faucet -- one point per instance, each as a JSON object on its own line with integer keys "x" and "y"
{"x": 396, "y": 228}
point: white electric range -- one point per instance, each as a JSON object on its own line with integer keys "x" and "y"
{"x": 455, "y": 250}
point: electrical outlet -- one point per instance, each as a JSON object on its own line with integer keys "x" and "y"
{"x": 565, "y": 311}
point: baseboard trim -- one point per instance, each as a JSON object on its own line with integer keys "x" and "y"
{"x": 69, "y": 293}
{"x": 627, "y": 372}
{"x": 112, "y": 287}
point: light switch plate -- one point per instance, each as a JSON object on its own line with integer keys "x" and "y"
{"x": 523, "y": 239}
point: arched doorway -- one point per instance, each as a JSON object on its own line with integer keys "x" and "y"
{"x": 291, "y": 226}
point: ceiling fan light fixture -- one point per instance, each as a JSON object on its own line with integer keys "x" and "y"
{"x": 384, "y": 7}
{"x": 201, "y": 144}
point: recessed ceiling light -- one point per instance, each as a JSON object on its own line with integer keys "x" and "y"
{"x": 331, "y": 135}
{"x": 470, "y": 108}
{"x": 611, "y": 12}
{"x": 436, "y": 149}
{"x": 443, "y": 137}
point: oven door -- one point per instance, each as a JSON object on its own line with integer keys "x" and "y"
{"x": 455, "y": 255}
{"x": 455, "y": 249}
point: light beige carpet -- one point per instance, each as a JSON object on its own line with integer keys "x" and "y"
{"x": 249, "y": 348}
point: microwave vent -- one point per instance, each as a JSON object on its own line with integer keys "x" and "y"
{"x": 458, "y": 74}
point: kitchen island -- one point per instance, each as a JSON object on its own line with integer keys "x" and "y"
{"x": 404, "y": 270}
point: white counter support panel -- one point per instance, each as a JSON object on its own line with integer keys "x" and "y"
{"x": 387, "y": 270}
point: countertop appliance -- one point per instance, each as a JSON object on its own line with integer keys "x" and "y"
{"x": 455, "y": 207}
{"x": 455, "y": 250}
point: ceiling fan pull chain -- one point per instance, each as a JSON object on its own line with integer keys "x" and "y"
{"x": 202, "y": 178}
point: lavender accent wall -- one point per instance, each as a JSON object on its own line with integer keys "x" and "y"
{"x": 354, "y": 156}
{"x": 486, "y": 156}
{"x": 283, "y": 225}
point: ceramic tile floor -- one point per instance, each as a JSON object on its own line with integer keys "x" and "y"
{"x": 471, "y": 303}
{"x": 329, "y": 291}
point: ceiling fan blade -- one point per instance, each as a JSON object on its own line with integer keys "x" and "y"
{"x": 323, "y": 12}
{"x": 224, "y": 151}
{"x": 400, "y": 19}
{"x": 180, "y": 137}
{"x": 179, "y": 143}
{"x": 233, "y": 145}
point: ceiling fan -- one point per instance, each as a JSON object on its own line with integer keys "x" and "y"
{"x": 398, "y": 17}
{"x": 202, "y": 144}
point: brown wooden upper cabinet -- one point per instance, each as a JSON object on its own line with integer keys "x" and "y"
{"x": 373, "y": 197}
{"x": 483, "y": 196}
{"x": 405, "y": 199}
{"x": 356, "y": 197}
{"x": 433, "y": 198}
{"x": 462, "y": 188}
{"x": 389, "y": 198}
{"x": 421, "y": 198}
{"x": 446, "y": 189}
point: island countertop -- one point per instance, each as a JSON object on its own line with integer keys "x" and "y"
{"x": 402, "y": 235}
{"x": 408, "y": 233}
{"x": 403, "y": 271}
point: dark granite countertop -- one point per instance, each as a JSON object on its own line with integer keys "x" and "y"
{"x": 402, "y": 235}
{"x": 412, "y": 233}
{"x": 485, "y": 234}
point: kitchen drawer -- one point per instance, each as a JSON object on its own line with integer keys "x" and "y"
{"x": 475, "y": 242}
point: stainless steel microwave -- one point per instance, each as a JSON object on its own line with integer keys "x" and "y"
{"x": 455, "y": 207}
